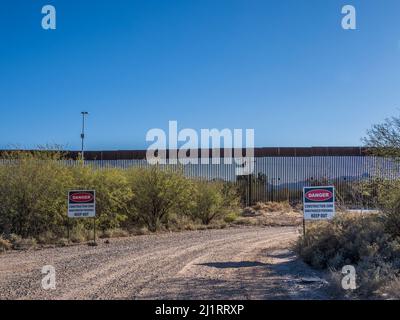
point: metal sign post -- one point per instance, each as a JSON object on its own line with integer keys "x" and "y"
{"x": 94, "y": 229}
{"x": 68, "y": 232}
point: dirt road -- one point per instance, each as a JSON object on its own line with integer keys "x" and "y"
{"x": 234, "y": 263}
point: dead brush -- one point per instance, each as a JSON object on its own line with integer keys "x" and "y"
{"x": 272, "y": 206}
{"x": 4, "y": 245}
{"x": 392, "y": 290}
{"x": 269, "y": 214}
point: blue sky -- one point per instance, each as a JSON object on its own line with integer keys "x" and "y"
{"x": 284, "y": 68}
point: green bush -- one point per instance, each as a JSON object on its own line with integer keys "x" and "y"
{"x": 214, "y": 200}
{"x": 208, "y": 201}
{"x": 113, "y": 194}
{"x": 158, "y": 193}
{"x": 33, "y": 190}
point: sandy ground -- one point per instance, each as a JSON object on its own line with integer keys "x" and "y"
{"x": 234, "y": 263}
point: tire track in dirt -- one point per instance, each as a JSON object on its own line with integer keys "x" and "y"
{"x": 184, "y": 284}
{"x": 210, "y": 264}
{"x": 172, "y": 268}
{"x": 160, "y": 261}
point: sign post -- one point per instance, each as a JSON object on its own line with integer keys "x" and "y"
{"x": 82, "y": 204}
{"x": 94, "y": 229}
{"x": 318, "y": 204}
{"x": 68, "y": 233}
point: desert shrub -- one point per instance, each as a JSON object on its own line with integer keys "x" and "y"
{"x": 33, "y": 199}
{"x": 231, "y": 197}
{"x": 373, "y": 274}
{"x": 33, "y": 190}
{"x": 208, "y": 201}
{"x": 392, "y": 289}
{"x": 177, "y": 222}
{"x": 386, "y": 194}
{"x": 231, "y": 217}
{"x": 344, "y": 240}
{"x": 354, "y": 239}
{"x": 81, "y": 231}
{"x": 393, "y": 221}
{"x": 389, "y": 199}
{"x": 113, "y": 194}
{"x": 78, "y": 234}
{"x": 158, "y": 193}
{"x": 374, "y": 280}
{"x": 214, "y": 200}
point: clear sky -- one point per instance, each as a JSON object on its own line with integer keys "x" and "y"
{"x": 285, "y": 68}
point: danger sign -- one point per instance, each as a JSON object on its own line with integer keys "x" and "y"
{"x": 319, "y": 203}
{"x": 81, "y": 203}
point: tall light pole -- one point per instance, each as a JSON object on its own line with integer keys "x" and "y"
{"x": 84, "y": 113}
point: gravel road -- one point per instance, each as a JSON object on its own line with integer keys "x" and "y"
{"x": 234, "y": 263}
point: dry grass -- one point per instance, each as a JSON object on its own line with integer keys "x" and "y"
{"x": 4, "y": 245}
{"x": 270, "y": 214}
{"x": 139, "y": 231}
{"x": 392, "y": 290}
{"x": 273, "y": 206}
{"x": 24, "y": 244}
{"x": 114, "y": 233}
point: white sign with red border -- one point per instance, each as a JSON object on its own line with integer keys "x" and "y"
{"x": 81, "y": 203}
{"x": 319, "y": 202}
